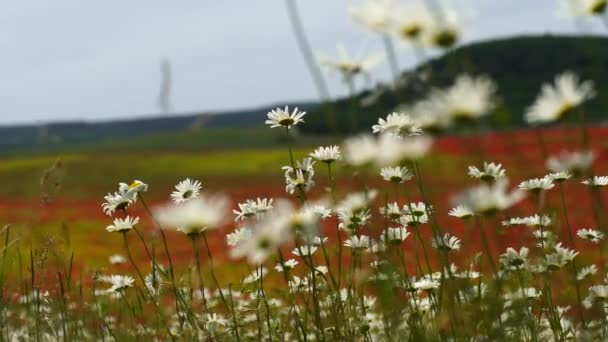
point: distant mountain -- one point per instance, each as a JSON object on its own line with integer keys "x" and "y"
{"x": 54, "y": 136}
{"x": 518, "y": 65}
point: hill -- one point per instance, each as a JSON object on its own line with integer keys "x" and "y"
{"x": 518, "y": 65}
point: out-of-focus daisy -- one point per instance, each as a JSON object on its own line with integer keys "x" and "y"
{"x": 349, "y": 67}
{"x": 195, "y": 216}
{"x": 430, "y": 114}
{"x": 355, "y": 242}
{"x": 237, "y": 236}
{"x": 377, "y": 15}
{"x": 445, "y": 32}
{"x": 586, "y": 272}
{"x": 462, "y": 212}
{"x": 574, "y": 162}
{"x": 590, "y": 234}
{"x": 252, "y": 208}
{"x": 595, "y": 7}
{"x": 489, "y": 198}
{"x": 396, "y": 174}
{"x": 122, "y": 225}
{"x": 116, "y": 259}
{"x": 300, "y": 177}
{"x": 559, "y": 177}
{"x": 119, "y": 283}
{"x": 490, "y": 172}
{"x": 530, "y": 221}
{"x": 560, "y": 98}
{"x": 597, "y": 293}
{"x": 537, "y": 184}
{"x": 469, "y": 98}
{"x": 124, "y": 197}
{"x": 287, "y": 265}
{"x": 256, "y": 275}
{"x": 559, "y": 258}
{"x": 392, "y": 150}
{"x": 390, "y": 210}
{"x": 185, "y": 190}
{"x": 283, "y": 118}
{"x": 398, "y": 124}
{"x": 513, "y": 259}
{"x": 426, "y": 284}
{"x": 304, "y": 250}
{"x": 597, "y": 181}
{"x": 447, "y": 243}
{"x": 394, "y": 235}
{"x": 360, "y": 150}
{"x": 327, "y": 154}
{"x": 412, "y": 21}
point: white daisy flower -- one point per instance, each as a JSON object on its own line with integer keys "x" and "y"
{"x": 116, "y": 259}
{"x": 238, "y": 236}
{"x": 444, "y": 33}
{"x": 300, "y": 177}
{"x": 185, "y": 190}
{"x": 196, "y": 215}
{"x": 490, "y": 172}
{"x": 537, "y": 184}
{"x": 426, "y": 284}
{"x": 287, "y": 265}
{"x": 327, "y": 154}
{"x": 447, "y": 242}
{"x": 590, "y": 234}
{"x": 586, "y": 272}
{"x": 412, "y": 21}
{"x": 559, "y": 177}
{"x": 489, "y": 198}
{"x": 124, "y": 197}
{"x": 513, "y": 259}
{"x": 304, "y": 250}
{"x": 559, "y": 258}
{"x": 358, "y": 242}
{"x": 595, "y": 7}
{"x": 558, "y": 99}
{"x": 256, "y": 275}
{"x": 597, "y": 181}
{"x": 467, "y": 99}
{"x": 596, "y": 293}
{"x": 119, "y": 283}
{"x": 397, "y": 124}
{"x": 390, "y": 210}
{"x": 122, "y": 225}
{"x": 417, "y": 209}
{"x": 350, "y": 67}
{"x": 377, "y": 15}
{"x": 574, "y": 162}
{"x": 396, "y": 174}
{"x": 360, "y": 150}
{"x": 394, "y": 235}
{"x": 461, "y": 212}
{"x": 391, "y": 150}
{"x": 251, "y": 208}
{"x": 430, "y": 114}
{"x": 283, "y": 118}
{"x": 530, "y": 221}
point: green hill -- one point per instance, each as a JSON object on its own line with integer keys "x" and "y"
{"x": 518, "y": 65}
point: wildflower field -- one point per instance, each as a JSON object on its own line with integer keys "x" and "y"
{"x": 428, "y": 225}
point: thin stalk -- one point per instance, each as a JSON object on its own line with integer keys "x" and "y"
{"x": 201, "y": 283}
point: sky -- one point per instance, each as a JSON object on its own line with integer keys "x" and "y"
{"x": 93, "y": 60}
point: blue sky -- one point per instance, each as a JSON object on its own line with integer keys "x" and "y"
{"x": 99, "y": 60}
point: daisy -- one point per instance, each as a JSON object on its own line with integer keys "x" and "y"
{"x": 397, "y": 124}
{"x": 117, "y": 259}
{"x": 305, "y": 250}
{"x": 468, "y": 99}
{"x": 595, "y": 7}
{"x": 426, "y": 284}
{"x": 586, "y": 272}
{"x": 596, "y": 293}
{"x": 444, "y": 33}
{"x": 391, "y": 210}
{"x": 446, "y": 243}
{"x": 559, "y": 177}
{"x": 358, "y": 242}
{"x": 490, "y": 172}
{"x": 461, "y": 212}
{"x": 489, "y": 198}
{"x": 391, "y": 150}
{"x": 185, "y": 190}
{"x": 283, "y": 118}
{"x": 558, "y": 99}
{"x": 286, "y": 266}
{"x": 559, "y": 258}
{"x": 431, "y": 116}
{"x": 394, "y": 235}
{"x": 513, "y": 259}
{"x": 250, "y": 208}
{"x": 590, "y": 234}
{"x": 396, "y": 174}
{"x": 537, "y": 184}
{"x": 238, "y": 235}
{"x": 377, "y": 16}
{"x": 300, "y": 177}
{"x": 119, "y": 283}
{"x": 124, "y": 197}
{"x": 574, "y": 162}
{"x": 256, "y": 275}
{"x": 360, "y": 150}
{"x": 349, "y": 67}
{"x": 412, "y": 21}
{"x": 327, "y": 154}
{"x": 196, "y": 215}
{"x": 122, "y": 225}
{"x": 597, "y": 181}
{"x": 417, "y": 209}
